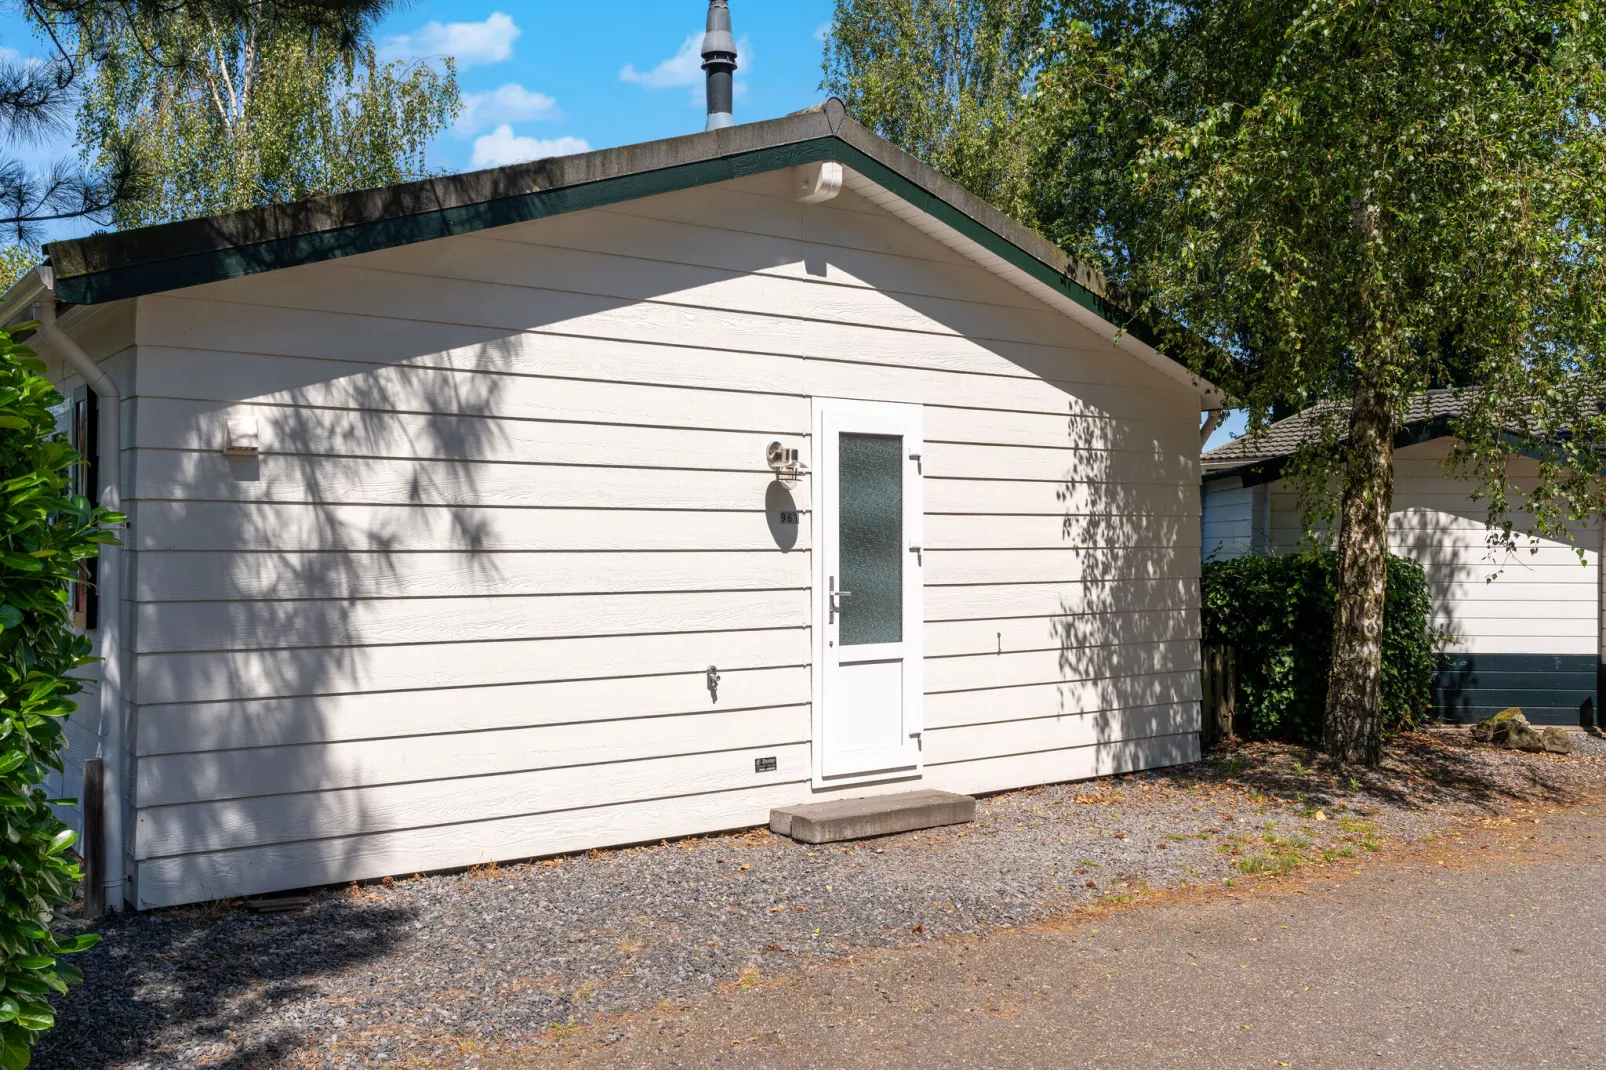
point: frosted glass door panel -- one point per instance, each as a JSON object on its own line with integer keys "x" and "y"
{"x": 868, "y": 593}
{"x": 871, "y": 533}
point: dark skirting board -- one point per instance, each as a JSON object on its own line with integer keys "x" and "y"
{"x": 1549, "y": 688}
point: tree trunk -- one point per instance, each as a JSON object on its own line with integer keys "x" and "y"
{"x": 1353, "y": 724}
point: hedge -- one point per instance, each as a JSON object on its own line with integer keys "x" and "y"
{"x": 45, "y": 532}
{"x": 1277, "y": 612}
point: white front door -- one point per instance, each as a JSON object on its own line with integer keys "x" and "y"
{"x": 868, "y": 562}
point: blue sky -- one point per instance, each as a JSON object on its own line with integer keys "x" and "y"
{"x": 1236, "y": 423}
{"x": 546, "y": 78}
{"x": 603, "y": 73}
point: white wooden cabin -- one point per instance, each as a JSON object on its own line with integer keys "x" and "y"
{"x": 510, "y": 573}
{"x": 1524, "y": 628}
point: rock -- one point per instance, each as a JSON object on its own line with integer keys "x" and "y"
{"x": 1556, "y": 739}
{"x": 1509, "y": 728}
{"x": 1505, "y": 729}
{"x": 1522, "y": 737}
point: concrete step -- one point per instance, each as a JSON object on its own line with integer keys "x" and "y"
{"x": 876, "y": 815}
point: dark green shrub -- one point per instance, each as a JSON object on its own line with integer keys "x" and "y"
{"x": 44, "y": 534}
{"x": 1278, "y": 613}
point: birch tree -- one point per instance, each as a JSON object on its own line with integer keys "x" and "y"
{"x": 37, "y": 97}
{"x": 945, "y": 79}
{"x": 1343, "y": 202}
{"x": 1351, "y": 201}
{"x": 256, "y": 109}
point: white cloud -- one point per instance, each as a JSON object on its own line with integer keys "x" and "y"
{"x": 510, "y": 103}
{"x": 10, "y": 55}
{"x": 683, "y": 68}
{"x": 470, "y": 43}
{"x": 502, "y": 146}
{"x": 822, "y": 32}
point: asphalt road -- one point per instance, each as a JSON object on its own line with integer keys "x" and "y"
{"x": 1490, "y": 954}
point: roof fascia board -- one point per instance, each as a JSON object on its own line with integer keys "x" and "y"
{"x": 113, "y": 267}
{"x": 1252, "y": 474}
{"x": 99, "y": 253}
{"x": 319, "y": 245}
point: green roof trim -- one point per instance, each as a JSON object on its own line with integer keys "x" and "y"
{"x": 118, "y": 266}
{"x": 234, "y": 262}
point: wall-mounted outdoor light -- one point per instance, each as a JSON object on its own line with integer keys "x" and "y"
{"x": 816, "y": 183}
{"x": 784, "y": 462}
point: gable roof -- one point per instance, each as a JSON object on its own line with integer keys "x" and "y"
{"x": 115, "y": 266}
{"x": 1259, "y": 458}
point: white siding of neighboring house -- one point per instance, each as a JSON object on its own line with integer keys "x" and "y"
{"x": 1523, "y": 627}
{"x": 1542, "y": 598}
{"x": 1228, "y": 519}
{"x": 1237, "y": 520}
{"x": 512, "y": 503}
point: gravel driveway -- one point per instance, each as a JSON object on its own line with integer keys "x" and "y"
{"x": 439, "y": 969}
{"x": 1396, "y": 969}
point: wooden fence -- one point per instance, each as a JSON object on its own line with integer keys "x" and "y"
{"x": 1220, "y": 691}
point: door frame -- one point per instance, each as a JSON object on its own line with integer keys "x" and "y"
{"x": 884, "y": 418}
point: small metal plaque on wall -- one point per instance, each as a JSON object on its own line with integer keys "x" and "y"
{"x": 763, "y": 765}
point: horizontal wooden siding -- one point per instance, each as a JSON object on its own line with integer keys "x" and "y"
{"x": 511, "y": 504}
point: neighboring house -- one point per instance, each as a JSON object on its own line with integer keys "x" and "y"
{"x": 1525, "y": 627}
{"x": 509, "y": 572}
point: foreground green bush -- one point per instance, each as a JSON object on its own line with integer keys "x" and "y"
{"x": 44, "y": 534}
{"x": 1278, "y": 613}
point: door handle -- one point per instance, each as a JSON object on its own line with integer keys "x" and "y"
{"x": 834, "y": 601}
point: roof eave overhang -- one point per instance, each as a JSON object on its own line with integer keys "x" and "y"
{"x": 111, "y": 267}
{"x": 1270, "y": 469}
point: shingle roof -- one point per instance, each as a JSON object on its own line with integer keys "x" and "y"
{"x": 1282, "y": 438}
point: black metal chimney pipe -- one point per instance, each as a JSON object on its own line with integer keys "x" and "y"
{"x": 719, "y": 61}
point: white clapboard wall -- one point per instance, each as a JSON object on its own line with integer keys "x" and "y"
{"x": 512, "y": 503}
{"x": 1227, "y": 519}
{"x": 1541, "y": 598}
